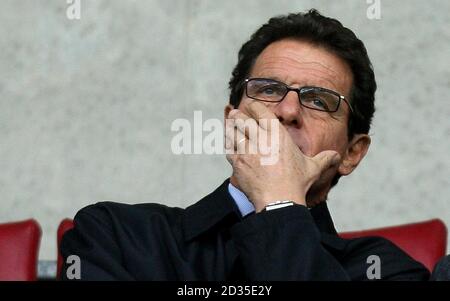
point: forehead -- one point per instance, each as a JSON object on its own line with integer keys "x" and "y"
{"x": 300, "y": 63}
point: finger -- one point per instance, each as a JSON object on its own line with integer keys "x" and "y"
{"x": 256, "y": 110}
{"x": 231, "y": 158}
{"x": 231, "y": 136}
{"x": 327, "y": 159}
{"x": 235, "y": 139}
{"x": 258, "y": 137}
{"x": 245, "y": 124}
{"x": 228, "y": 142}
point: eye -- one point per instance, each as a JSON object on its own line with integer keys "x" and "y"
{"x": 266, "y": 90}
{"x": 272, "y": 89}
{"x": 314, "y": 101}
{"x": 319, "y": 103}
{"x": 319, "y": 100}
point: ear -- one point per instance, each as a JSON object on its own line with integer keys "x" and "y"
{"x": 227, "y": 110}
{"x": 356, "y": 150}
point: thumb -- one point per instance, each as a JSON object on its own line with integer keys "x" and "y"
{"x": 326, "y": 159}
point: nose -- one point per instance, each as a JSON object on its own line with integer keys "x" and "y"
{"x": 289, "y": 110}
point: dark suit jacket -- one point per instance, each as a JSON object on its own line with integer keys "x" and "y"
{"x": 441, "y": 271}
{"x": 211, "y": 241}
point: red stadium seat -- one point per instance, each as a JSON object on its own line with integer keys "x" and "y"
{"x": 64, "y": 226}
{"x": 19, "y": 250}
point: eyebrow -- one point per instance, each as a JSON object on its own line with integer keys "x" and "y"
{"x": 321, "y": 85}
{"x": 276, "y": 78}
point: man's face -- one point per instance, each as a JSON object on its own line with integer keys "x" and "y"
{"x": 301, "y": 64}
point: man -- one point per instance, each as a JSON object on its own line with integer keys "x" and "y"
{"x": 313, "y": 78}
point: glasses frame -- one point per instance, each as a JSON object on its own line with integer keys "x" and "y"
{"x": 298, "y": 90}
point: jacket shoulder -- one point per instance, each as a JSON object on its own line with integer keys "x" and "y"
{"x": 111, "y": 223}
{"x": 113, "y": 239}
{"x": 120, "y": 212}
{"x": 395, "y": 264}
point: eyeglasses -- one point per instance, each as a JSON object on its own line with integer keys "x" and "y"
{"x": 316, "y": 98}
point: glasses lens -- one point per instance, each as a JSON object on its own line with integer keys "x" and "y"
{"x": 265, "y": 90}
{"x": 319, "y": 100}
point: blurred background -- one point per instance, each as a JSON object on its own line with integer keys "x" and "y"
{"x": 86, "y": 105}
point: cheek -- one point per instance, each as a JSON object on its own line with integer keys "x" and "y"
{"x": 328, "y": 136}
{"x": 337, "y": 141}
